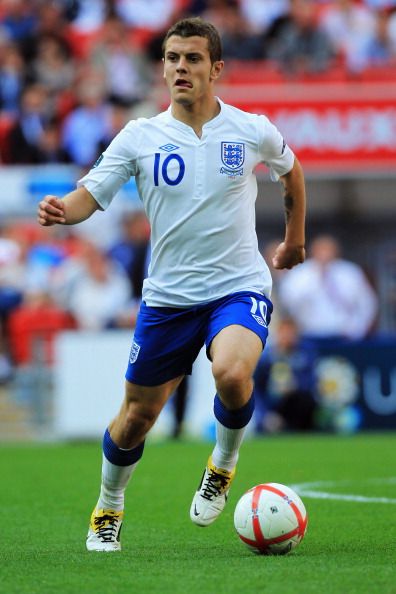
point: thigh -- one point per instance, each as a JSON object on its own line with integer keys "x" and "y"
{"x": 150, "y": 397}
{"x": 165, "y": 344}
{"x": 235, "y": 345}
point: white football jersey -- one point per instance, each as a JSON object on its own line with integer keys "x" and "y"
{"x": 199, "y": 195}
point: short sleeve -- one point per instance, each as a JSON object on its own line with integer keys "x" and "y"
{"x": 273, "y": 150}
{"x": 114, "y": 167}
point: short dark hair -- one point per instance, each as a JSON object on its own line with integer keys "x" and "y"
{"x": 196, "y": 26}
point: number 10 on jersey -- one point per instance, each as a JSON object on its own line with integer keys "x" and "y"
{"x": 162, "y": 169}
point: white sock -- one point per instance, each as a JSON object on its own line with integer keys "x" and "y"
{"x": 226, "y": 451}
{"x": 114, "y": 482}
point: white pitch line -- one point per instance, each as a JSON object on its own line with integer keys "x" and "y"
{"x": 307, "y": 490}
{"x": 383, "y": 481}
{"x": 345, "y": 497}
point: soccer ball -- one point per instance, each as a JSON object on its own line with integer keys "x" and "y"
{"x": 270, "y": 519}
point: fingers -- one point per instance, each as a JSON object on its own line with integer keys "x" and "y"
{"x": 277, "y": 263}
{"x": 281, "y": 265}
{"x": 51, "y": 211}
{"x": 288, "y": 258}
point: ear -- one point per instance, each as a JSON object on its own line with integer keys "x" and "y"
{"x": 216, "y": 70}
{"x": 163, "y": 64}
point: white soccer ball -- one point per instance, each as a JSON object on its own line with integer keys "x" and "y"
{"x": 270, "y": 519}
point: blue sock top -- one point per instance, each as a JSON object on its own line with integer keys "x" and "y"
{"x": 120, "y": 457}
{"x": 233, "y": 419}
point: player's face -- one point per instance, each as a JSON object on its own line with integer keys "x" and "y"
{"x": 188, "y": 71}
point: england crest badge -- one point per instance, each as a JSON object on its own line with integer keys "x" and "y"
{"x": 134, "y": 353}
{"x": 233, "y": 157}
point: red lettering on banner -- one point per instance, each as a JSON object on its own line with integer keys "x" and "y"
{"x": 332, "y": 127}
{"x": 343, "y": 130}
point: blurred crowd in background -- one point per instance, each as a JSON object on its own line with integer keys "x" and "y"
{"x": 53, "y": 280}
{"x": 72, "y": 73}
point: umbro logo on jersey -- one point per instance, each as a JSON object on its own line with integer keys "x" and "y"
{"x": 168, "y": 147}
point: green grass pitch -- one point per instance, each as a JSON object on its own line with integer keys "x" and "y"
{"x": 48, "y": 492}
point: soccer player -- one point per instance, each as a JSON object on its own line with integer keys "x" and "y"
{"x": 207, "y": 282}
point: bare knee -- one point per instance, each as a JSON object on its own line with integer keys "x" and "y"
{"x": 139, "y": 411}
{"x": 134, "y": 421}
{"x": 139, "y": 415}
{"x": 233, "y": 382}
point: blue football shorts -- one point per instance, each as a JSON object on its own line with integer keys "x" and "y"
{"x": 167, "y": 340}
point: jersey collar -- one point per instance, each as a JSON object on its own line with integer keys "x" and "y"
{"x": 213, "y": 123}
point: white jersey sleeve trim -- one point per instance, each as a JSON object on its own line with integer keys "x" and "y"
{"x": 273, "y": 150}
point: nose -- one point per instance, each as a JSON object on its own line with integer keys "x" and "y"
{"x": 181, "y": 65}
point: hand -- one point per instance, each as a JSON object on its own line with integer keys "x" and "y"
{"x": 51, "y": 211}
{"x": 287, "y": 256}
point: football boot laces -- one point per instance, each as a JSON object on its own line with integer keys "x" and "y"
{"x": 105, "y": 527}
{"x": 214, "y": 485}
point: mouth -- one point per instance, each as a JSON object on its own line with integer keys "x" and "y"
{"x": 182, "y": 83}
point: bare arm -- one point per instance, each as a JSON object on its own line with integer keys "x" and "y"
{"x": 292, "y": 251}
{"x": 73, "y": 208}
